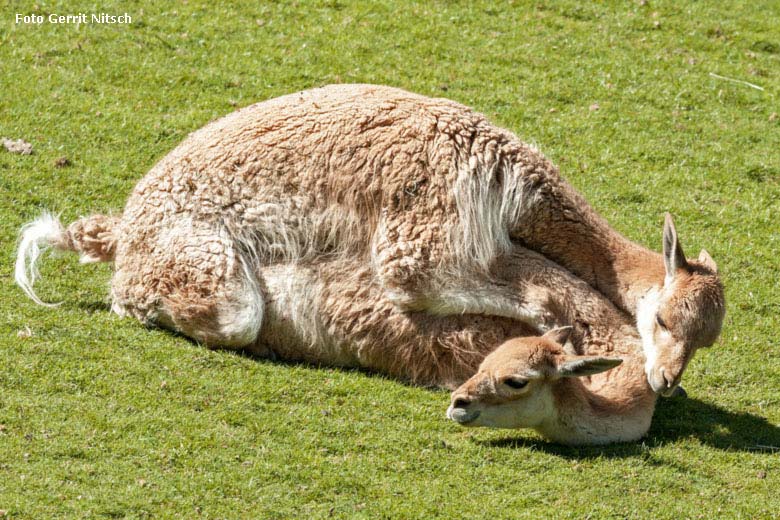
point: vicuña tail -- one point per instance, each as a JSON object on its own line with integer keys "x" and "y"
{"x": 92, "y": 237}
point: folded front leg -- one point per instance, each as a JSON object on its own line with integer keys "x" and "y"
{"x": 419, "y": 271}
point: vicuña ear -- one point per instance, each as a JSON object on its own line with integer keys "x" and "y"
{"x": 674, "y": 258}
{"x": 707, "y": 261}
{"x": 577, "y": 366}
{"x": 559, "y": 335}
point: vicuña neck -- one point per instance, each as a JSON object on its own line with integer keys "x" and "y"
{"x": 565, "y": 228}
{"x": 616, "y": 406}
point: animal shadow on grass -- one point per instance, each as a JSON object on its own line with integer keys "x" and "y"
{"x": 675, "y": 418}
{"x": 93, "y": 306}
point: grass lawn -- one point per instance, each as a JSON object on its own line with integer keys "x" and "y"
{"x": 100, "y": 417}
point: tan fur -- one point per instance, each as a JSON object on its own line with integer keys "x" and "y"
{"x": 93, "y": 238}
{"x": 425, "y": 191}
{"x": 335, "y": 313}
{"x": 612, "y": 406}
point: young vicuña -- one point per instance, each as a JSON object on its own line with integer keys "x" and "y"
{"x": 571, "y": 398}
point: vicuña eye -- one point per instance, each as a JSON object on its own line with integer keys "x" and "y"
{"x": 661, "y": 322}
{"x": 515, "y": 382}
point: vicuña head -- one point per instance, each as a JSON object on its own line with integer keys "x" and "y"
{"x": 534, "y": 382}
{"x": 682, "y": 315}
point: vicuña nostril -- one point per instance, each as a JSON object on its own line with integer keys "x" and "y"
{"x": 461, "y": 402}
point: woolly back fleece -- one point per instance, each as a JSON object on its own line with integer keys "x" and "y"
{"x": 319, "y": 169}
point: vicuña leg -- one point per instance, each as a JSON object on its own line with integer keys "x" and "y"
{"x": 189, "y": 277}
{"x": 418, "y": 273}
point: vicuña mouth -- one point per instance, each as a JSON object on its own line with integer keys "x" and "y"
{"x": 461, "y": 416}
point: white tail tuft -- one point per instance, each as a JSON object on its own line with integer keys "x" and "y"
{"x": 35, "y": 238}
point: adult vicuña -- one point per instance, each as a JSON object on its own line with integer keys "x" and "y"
{"x": 425, "y": 190}
{"x": 534, "y": 382}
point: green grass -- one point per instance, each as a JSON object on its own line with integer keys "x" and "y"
{"x": 104, "y": 418}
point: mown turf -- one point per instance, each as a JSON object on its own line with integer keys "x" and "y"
{"x": 103, "y": 418}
